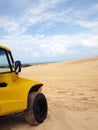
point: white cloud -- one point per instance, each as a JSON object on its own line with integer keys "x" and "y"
{"x": 88, "y": 24}
{"x": 28, "y": 47}
{"x": 7, "y": 24}
{"x": 56, "y": 44}
{"x": 84, "y": 39}
{"x": 91, "y": 41}
{"x": 44, "y": 12}
{"x": 11, "y": 26}
{"x": 36, "y": 13}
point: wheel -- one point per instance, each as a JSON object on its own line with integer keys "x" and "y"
{"x": 36, "y": 111}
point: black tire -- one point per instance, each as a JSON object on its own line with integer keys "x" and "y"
{"x": 37, "y": 108}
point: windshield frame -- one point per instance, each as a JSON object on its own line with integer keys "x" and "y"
{"x": 9, "y": 59}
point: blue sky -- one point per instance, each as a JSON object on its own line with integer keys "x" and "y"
{"x": 44, "y": 30}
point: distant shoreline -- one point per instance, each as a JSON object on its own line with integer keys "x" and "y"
{"x": 39, "y": 63}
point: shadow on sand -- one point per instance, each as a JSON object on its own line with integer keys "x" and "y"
{"x": 11, "y": 121}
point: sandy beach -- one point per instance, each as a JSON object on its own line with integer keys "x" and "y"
{"x": 71, "y": 89}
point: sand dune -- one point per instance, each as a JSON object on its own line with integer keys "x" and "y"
{"x": 71, "y": 88}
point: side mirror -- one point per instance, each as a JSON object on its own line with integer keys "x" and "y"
{"x": 17, "y": 66}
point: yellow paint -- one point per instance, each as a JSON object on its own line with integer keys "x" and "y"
{"x": 13, "y": 97}
{"x": 5, "y": 48}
